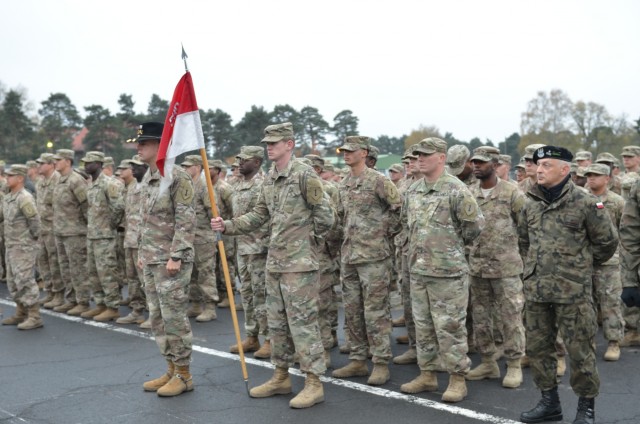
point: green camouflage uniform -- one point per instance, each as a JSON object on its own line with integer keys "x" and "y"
{"x": 167, "y": 231}
{"x": 202, "y": 288}
{"x": 48, "y": 264}
{"x": 630, "y": 251}
{"x": 223, "y": 193}
{"x": 133, "y": 220}
{"x": 631, "y": 315}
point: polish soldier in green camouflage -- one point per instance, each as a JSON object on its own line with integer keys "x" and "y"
{"x": 292, "y": 200}
{"x": 563, "y": 233}
{"x": 369, "y": 217}
{"x": 495, "y": 267}
{"x": 166, "y": 257}
{"x": 440, "y": 216}
{"x": 21, "y": 231}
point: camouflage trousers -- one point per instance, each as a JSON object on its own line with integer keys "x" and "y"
{"x": 607, "y": 289}
{"x": 439, "y": 311}
{"x": 134, "y": 279}
{"x": 167, "y": 299}
{"x": 577, "y": 324}
{"x": 292, "y": 315}
{"x": 501, "y": 298}
{"x": 230, "y": 251}
{"x": 327, "y": 277}
{"x": 120, "y": 255}
{"x": 72, "y": 257}
{"x": 103, "y": 272}
{"x": 3, "y": 264}
{"x": 365, "y": 293}
{"x": 48, "y": 263}
{"x": 21, "y": 261}
{"x": 202, "y": 286}
{"x": 251, "y": 269}
{"x": 406, "y": 300}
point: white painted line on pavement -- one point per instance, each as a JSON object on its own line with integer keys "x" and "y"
{"x": 377, "y": 391}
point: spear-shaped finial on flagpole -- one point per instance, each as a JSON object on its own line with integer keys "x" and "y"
{"x": 184, "y": 57}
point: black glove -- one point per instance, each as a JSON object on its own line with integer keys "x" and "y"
{"x": 631, "y": 296}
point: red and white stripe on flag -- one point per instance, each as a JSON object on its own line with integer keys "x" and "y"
{"x": 182, "y": 127}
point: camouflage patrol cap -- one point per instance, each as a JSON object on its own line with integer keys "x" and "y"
{"x": 125, "y": 164}
{"x": 486, "y": 154}
{"x": 429, "y": 146}
{"x": 605, "y": 157}
{"x": 583, "y": 155}
{"x": 631, "y": 151}
{"x": 373, "y": 152}
{"x": 315, "y": 160}
{"x": 108, "y": 161}
{"x": 597, "y": 168}
{"x": 356, "y": 142}
{"x": 329, "y": 167}
{"x": 248, "y": 152}
{"x": 504, "y": 159}
{"x": 17, "y": 170}
{"x": 135, "y": 160}
{"x": 46, "y": 158}
{"x": 93, "y": 157}
{"x": 521, "y": 163}
{"x": 396, "y": 167}
{"x": 305, "y": 161}
{"x": 31, "y": 164}
{"x": 408, "y": 154}
{"x": 406, "y": 161}
{"x": 574, "y": 167}
{"x": 191, "y": 160}
{"x": 64, "y": 154}
{"x": 581, "y": 171}
{"x": 278, "y": 132}
{"x": 530, "y": 150}
{"x": 217, "y": 163}
{"x": 235, "y": 164}
{"x": 457, "y": 157}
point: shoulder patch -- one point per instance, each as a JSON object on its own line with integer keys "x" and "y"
{"x": 185, "y": 191}
{"x": 28, "y": 209}
{"x": 314, "y": 191}
{"x": 113, "y": 190}
{"x": 391, "y": 192}
{"x": 81, "y": 194}
{"x": 468, "y": 209}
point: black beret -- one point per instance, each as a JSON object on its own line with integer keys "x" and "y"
{"x": 149, "y": 131}
{"x": 552, "y": 152}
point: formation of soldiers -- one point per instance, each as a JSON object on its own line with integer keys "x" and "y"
{"x": 521, "y": 270}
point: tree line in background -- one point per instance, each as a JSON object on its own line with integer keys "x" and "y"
{"x": 550, "y": 118}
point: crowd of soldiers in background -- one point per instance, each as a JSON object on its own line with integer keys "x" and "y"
{"x": 78, "y": 264}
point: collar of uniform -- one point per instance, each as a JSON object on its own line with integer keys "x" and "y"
{"x": 494, "y": 193}
{"x": 275, "y": 174}
{"x": 102, "y": 176}
{"x": 437, "y": 186}
{"x": 154, "y": 175}
{"x": 539, "y": 195}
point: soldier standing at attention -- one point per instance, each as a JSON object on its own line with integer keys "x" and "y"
{"x": 530, "y": 179}
{"x": 21, "y": 231}
{"x": 166, "y": 257}
{"x": 369, "y": 216}
{"x": 440, "y": 216}
{"x": 563, "y": 233}
{"x": 292, "y": 201}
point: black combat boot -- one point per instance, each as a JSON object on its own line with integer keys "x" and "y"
{"x": 586, "y": 414}
{"x": 548, "y": 409}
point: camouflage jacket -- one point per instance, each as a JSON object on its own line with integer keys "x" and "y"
{"x": 614, "y": 205}
{"x": 369, "y": 216}
{"x": 202, "y": 206}
{"x": 21, "y": 219}
{"x": 293, "y": 202}
{"x": 494, "y": 253}
{"x": 630, "y": 238}
{"x": 440, "y": 219}
{"x": 561, "y": 241}
{"x": 70, "y": 205}
{"x": 168, "y": 218}
{"x": 526, "y": 184}
{"x": 133, "y": 214}
{"x": 245, "y": 199}
{"x": 223, "y": 192}
{"x": 106, "y": 207}
{"x": 45, "y": 201}
{"x": 627, "y": 181}
{"x": 401, "y": 240}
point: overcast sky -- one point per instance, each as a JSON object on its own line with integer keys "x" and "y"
{"x": 468, "y": 67}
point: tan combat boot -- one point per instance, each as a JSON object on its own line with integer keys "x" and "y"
{"x": 94, "y": 312}
{"x": 48, "y": 298}
{"x": 33, "y": 319}
{"x": 613, "y": 351}
{"x": 345, "y": 348}
{"x": 488, "y": 368}
{"x": 58, "y": 300}
{"x": 402, "y": 339}
{"x": 311, "y": 394}
{"x": 425, "y": 382}
{"x": 265, "y": 351}
{"x": 146, "y": 324}
{"x": 20, "y": 315}
{"x": 457, "y": 389}
{"x": 134, "y": 317}
{"x": 409, "y": 357}
{"x": 194, "y": 310}
{"x": 513, "y": 379}
{"x": 562, "y": 366}
{"x": 250, "y": 344}
{"x": 208, "y": 313}
{"x": 107, "y": 315}
{"x": 398, "y": 322}
{"x": 224, "y": 303}
{"x": 631, "y": 338}
{"x": 78, "y": 310}
{"x": 354, "y": 368}
{"x": 180, "y": 382}
{"x": 66, "y": 307}
{"x": 524, "y": 362}
{"x": 279, "y": 384}
{"x": 379, "y": 375}
{"x": 155, "y": 384}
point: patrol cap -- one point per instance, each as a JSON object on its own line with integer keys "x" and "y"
{"x": 373, "y": 152}
{"x": 581, "y": 171}
{"x": 278, "y": 132}
{"x": 31, "y": 164}
{"x": 583, "y": 155}
{"x": 396, "y": 167}
{"x": 46, "y": 158}
{"x": 329, "y": 167}
{"x": 598, "y": 168}
{"x": 530, "y": 150}
{"x": 457, "y": 157}
{"x": 135, "y": 160}
{"x": 408, "y": 154}
{"x": 315, "y": 160}
{"x": 552, "y": 152}
{"x": 217, "y": 163}
{"x": 485, "y": 154}
{"x": 504, "y": 159}
{"x": 64, "y": 154}
{"x": 631, "y": 151}
{"x": 429, "y": 146}
{"x": 17, "y": 170}
{"x": 235, "y": 164}
{"x": 605, "y": 157}
{"x": 305, "y": 161}
{"x": 191, "y": 160}
{"x": 521, "y": 163}
{"x": 148, "y": 131}
{"x": 356, "y": 142}
{"x": 248, "y": 152}
{"x": 125, "y": 164}
{"x": 108, "y": 161}
{"x": 574, "y": 167}
{"x": 93, "y": 157}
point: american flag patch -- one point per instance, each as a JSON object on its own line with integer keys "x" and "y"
{"x": 600, "y": 205}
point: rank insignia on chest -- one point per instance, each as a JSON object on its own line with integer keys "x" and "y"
{"x": 600, "y": 205}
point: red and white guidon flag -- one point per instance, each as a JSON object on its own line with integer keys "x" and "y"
{"x": 182, "y": 127}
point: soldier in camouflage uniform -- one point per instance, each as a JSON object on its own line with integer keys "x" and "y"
{"x": 372, "y": 157}
{"x": 583, "y": 158}
{"x": 459, "y": 164}
{"x": 21, "y": 230}
{"x": 396, "y": 174}
{"x": 495, "y": 267}
{"x": 292, "y": 200}
{"x": 630, "y": 252}
{"x": 70, "y": 230}
{"x": 166, "y": 257}
{"x": 529, "y": 168}
{"x": 440, "y": 216}
{"x": 202, "y": 288}
{"x": 563, "y": 233}
{"x": 48, "y": 256}
{"x": 615, "y": 184}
